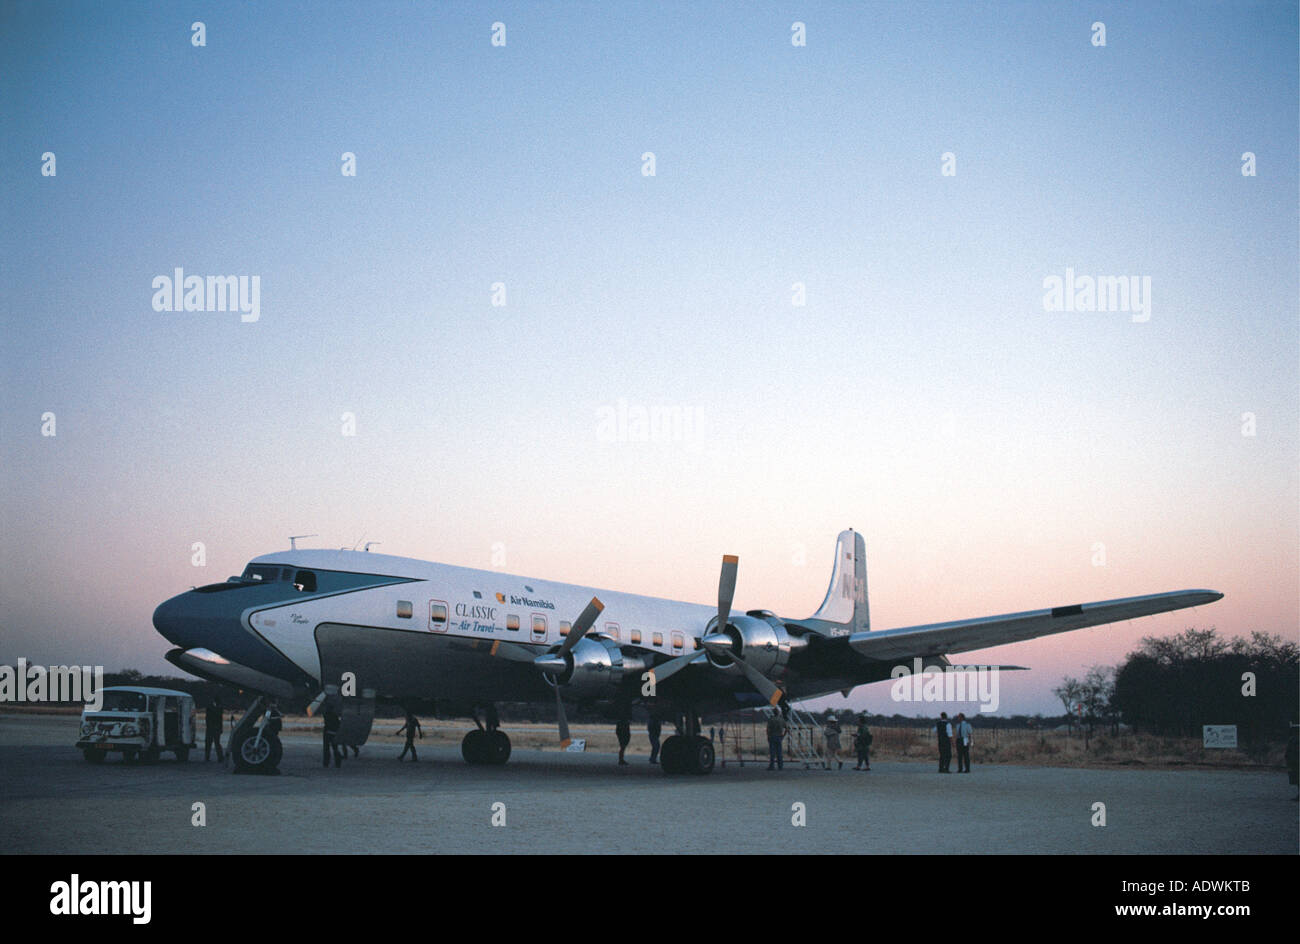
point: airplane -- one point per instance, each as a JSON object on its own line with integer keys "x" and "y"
{"x": 347, "y": 629}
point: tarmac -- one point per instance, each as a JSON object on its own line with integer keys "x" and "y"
{"x": 52, "y": 801}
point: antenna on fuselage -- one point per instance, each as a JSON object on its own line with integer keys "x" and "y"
{"x": 368, "y": 543}
{"x": 293, "y": 540}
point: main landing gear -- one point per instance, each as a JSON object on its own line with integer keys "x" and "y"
{"x": 688, "y": 753}
{"x": 486, "y": 747}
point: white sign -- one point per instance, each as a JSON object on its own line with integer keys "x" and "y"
{"x": 578, "y": 745}
{"x": 1220, "y": 735}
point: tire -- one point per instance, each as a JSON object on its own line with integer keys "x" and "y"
{"x": 496, "y": 748}
{"x": 93, "y": 756}
{"x": 254, "y": 757}
{"x": 182, "y": 754}
{"x": 474, "y": 747}
{"x": 151, "y": 755}
{"x": 130, "y": 756}
{"x": 670, "y": 754}
{"x": 700, "y": 755}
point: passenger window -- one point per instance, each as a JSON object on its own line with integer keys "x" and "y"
{"x": 512, "y": 623}
{"x": 658, "y": 639}
{"x": 305, "y": 581}
{"x": 636, "y": 637}
{"x": 404, "y": 609}
{"x": 564, "y": 628}
{"x": 437, "y": 616}
{"x": 678, "y": 641}
{"x": 539, "y": 624}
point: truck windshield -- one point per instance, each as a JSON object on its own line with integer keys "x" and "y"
{"x": 123, "y": 701}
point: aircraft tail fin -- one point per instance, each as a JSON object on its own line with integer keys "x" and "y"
{"x": 846, "y": 598}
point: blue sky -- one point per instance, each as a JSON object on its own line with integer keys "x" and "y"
{"x": 922, "y": 394}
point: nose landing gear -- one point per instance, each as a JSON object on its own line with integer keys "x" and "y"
{"x": 255, "y": 741}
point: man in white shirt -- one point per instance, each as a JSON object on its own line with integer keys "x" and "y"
{"x": 963, "y": 744}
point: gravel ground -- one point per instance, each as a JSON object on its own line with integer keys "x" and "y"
{"x": 52, "y": 801}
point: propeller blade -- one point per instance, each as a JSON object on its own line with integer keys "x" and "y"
{"x": 766, "y": 687}
{"x": 513, "y": 651}
{"x": 673, "y": 666}
{"x": 565, "y": 740}
{"x": 583, "y": 623}
{"x": 726, "y": 588}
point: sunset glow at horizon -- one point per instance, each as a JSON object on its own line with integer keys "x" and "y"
{"x": 827, "y": 330}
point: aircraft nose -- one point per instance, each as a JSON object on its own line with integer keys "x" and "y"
{"x": 171, "y": 624}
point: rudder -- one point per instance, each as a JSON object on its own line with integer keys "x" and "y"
{"x": 846, "y": 597}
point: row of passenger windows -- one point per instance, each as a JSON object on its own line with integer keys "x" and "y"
{"x": 438, "y": 623}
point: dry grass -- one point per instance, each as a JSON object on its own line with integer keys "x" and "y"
{"x": 1006, "y": 746}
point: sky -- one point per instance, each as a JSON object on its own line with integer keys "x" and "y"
{"x": 834, "y": 279}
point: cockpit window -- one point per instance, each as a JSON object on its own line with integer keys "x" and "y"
{"x": 261, "y": 572}
{"x": 305, "y": 581}
{"x": 124, "y": 701}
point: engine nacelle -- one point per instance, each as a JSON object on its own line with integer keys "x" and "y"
{"x": 760, "y": 639}
{"x": 597, "y": 667}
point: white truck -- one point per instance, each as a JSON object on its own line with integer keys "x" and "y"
{"x": 140, "y": 723}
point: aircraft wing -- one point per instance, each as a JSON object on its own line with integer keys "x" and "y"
{"x": 965, "y": 635}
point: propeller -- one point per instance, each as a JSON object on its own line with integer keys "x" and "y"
{"x": 556, "y": 663}
{"x": 720, "y": 644}
{"x": 726, "y": 590}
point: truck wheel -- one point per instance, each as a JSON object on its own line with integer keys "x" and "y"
{"x": 182, "y": 754}
{"x": 151, "y": 755}
{"x": 130, "y": 756}
{"x": 256, "y": 756}
{"x": 94, "y": 756}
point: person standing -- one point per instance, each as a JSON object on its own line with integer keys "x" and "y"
{"x": 943, "y": 734}
{"x": 623, "y": 731}
{"x": 412, "y": 729}
{"x": 775, "y": 740}
{"x": 652, "y": 729}
{"x": 213, "y": 725}
{"x": 831, "y": 738}
{"x": 964, "y": 732}
{"x": 862, "y": 744}
{"x": 331, "y": 744}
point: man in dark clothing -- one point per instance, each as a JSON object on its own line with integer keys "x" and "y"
{"x": 412, "y": 728}
{"x": 775, "y": 740}
{"x": 862, "y": 744}
{"x": 943, "y": 733}
{"x": 623, "y": 732}
{"x": 652, "y": 730}
{"x": 213, "y": 726}
{"x": 331, "y": 744}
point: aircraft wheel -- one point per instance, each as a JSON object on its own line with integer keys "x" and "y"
{"x": 670, "y": 754}
{"x": 699, "y": 755}
{"x": 497, "y": 748}
{"x": 94, "y": 756}
{"x": 256, "y": 755}
{"x": 475, "y": 747}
